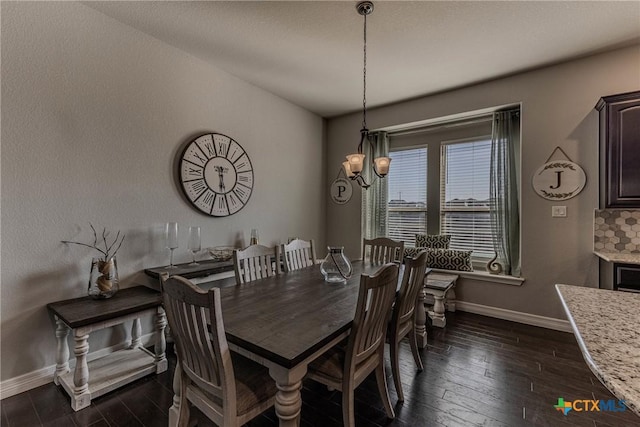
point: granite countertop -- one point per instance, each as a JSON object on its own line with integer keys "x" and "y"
{"x": 606, "y": 326}
{"x": 620, "y": 257}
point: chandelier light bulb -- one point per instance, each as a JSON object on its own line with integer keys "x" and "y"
{"x": 382, "y": 165}
{"x": 356, "y": 162}
{"x": 347, "y": 169}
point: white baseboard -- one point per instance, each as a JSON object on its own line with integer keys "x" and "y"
{"x": 515, "y": 316}
{"x": 43, "y": 376}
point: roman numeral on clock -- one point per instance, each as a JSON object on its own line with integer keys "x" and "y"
{"x": 198, "y": 186}
{"x": 211, "y": 151}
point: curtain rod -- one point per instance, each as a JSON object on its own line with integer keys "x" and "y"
{"x": 439, "y": 126}
{"x": 448, "y": 124}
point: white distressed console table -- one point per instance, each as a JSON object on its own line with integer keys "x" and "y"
{"x": 85, "y": 315}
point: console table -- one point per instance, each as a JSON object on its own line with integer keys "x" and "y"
{"x": 85, "y": 315}
{"x": 204, "y": 268}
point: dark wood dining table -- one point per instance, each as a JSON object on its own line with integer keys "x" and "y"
{"x": 286, "y": 321}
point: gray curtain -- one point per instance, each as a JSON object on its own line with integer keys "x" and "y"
{"x": 505, "y": 216}
{"x": 374, "y": 199}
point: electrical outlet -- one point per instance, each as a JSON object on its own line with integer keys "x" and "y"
{"x": 558, "y": 211}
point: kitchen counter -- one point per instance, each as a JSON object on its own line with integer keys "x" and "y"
{"x": 619, "y": 257}
{"x": 606, "y": 326}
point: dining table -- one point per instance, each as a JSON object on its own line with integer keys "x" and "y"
{"x": 284, "y": 322}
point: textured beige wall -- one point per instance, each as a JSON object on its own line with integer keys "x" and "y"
{"x": 93, "y": 114}
{"x": 557, "y": 110}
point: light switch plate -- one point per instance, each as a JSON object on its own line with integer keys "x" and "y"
{"x": 558, "y": 211}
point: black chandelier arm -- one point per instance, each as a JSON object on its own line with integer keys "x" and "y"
{"x": 376, "y": 172}
{"x": 359, "y": 179}
{"x": 364, "y": 134}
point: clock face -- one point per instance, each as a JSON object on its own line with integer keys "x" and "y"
{"x": 216, "y": 174}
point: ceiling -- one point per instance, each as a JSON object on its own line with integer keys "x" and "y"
{"x": 310, "y": 52}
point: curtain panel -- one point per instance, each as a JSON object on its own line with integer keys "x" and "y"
{"x": 504, "y": 200}
{"x": 374, "y": 199}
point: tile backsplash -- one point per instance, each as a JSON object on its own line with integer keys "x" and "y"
{"x": 617, "y": 230}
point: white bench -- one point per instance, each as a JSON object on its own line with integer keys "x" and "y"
{"x": 441, "y": 287}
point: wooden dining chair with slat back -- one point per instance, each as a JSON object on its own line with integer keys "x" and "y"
{"x": 382, "y": 250}
{"x": 226, "y": 387}
{"x": 346, "y": 367}
{"x": 298, "y": 254}
{"x": 404, "y": 311}
{"x": 256, "y": 262}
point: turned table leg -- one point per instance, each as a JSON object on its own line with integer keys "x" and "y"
{"x": 62, "y": 353}
{"x": 81, "y": 396}
{"x": 437, "y": 315}
{"x": 421, "y": 321}
{"x": 174, "y": 410}
{"x": 136, "y": 331}
{"x": 288, "y": 398}
{"x": 160, "y": 346}
{"x": 451, "y": 298}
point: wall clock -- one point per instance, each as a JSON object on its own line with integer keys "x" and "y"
{"x": 216, "y": 174}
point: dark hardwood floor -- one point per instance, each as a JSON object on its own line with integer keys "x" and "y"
{"x": 479, "y": 371}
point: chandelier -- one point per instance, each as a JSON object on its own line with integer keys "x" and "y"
{"x": 354, "y": 165}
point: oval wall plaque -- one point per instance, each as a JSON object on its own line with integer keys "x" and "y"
{"x": 341, "y": 191}
{"x": 559, "y": 180}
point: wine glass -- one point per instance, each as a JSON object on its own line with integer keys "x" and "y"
{"x": 171, "y": 239}
{"x": 194, "y": 243}
{"x": 254, "y": 237}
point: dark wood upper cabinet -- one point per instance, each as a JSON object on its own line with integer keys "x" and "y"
{"x": 620, "y": 143}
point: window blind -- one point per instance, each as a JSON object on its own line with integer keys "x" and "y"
{"x": 464, "y": 195}
{"x": 407, "y": 196}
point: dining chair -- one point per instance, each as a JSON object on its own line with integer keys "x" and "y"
{"x": 298, "y": 254}
{"x": 226, "y": 387}
{"x": 382, "y": 250}
{"x": 256, "y": 262}
{"x": 403, "y": 317}
{"x": 346, "y": 365}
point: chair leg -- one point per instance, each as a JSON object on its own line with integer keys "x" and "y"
{"x": 413, "y": 342}
{"x": 348, "y": 416}
{"x": 395, "y": 368}
{"x": 381, "y": 379}
{"x": 185, "y": 412}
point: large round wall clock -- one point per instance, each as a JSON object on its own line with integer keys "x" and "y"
{"x": 216, "y": 174}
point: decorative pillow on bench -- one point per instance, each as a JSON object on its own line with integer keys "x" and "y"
{"x": 449, "y": 259}
{"x": 428, "y": 241}
{"x": 433, "y": 241}
{"x": 412, "y": 252}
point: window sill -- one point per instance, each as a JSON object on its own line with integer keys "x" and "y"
{"x": 484, "y": 276}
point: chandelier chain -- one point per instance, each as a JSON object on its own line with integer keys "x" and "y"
{"x": 364, "y": 77}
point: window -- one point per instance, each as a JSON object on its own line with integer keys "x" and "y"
{"x": 464, "y": 195}
{"x": 407, "y": 194}
{"x": 458, "y": 188}
{"x": 442, "y": 181}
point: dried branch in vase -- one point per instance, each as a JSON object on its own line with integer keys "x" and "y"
{"x": 110, "y": 248}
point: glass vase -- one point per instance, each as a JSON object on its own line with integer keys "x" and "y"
{"x": 336, "y": 268}
{"x": 103, "y": 282}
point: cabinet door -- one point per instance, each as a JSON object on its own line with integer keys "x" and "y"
{"x": 620, "y": 117}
